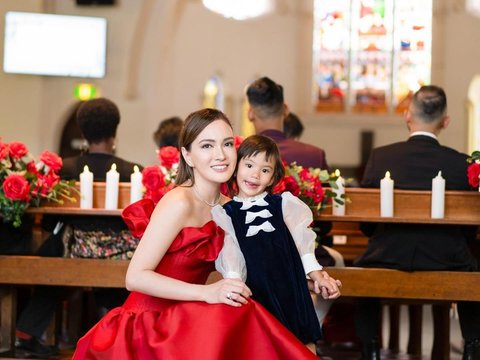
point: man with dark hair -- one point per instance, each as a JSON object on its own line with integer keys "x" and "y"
{"x": 267, "y": 112}
{"x": 168, "y": 132}
{"x": 413, "y": 164}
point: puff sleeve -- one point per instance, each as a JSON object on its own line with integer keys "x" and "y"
{"x": 230, "y": 262}
{"x": 298, "y": 217}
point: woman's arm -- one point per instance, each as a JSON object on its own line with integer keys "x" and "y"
{"x": 169, "y": 217}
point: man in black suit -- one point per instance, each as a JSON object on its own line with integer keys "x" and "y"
{"x": 413, "y": 164}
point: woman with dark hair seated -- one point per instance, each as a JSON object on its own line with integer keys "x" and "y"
{"x": 98, "y": 120}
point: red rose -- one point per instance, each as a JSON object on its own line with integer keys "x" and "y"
{"x": 292, "y": 185}
{"x": 156, "y": 195}
{"x": 52, "y": 160}
{"x": 473, "y": 172}
{"x": 17, "y": 149}
{"x": 45, "y": 183}
{"x": 279, "y": 187}
{"x": 168, "y": 155}
{"x": 16, "y": 187}
{"x": 153, "y": 178}
{"x": 237, "y": 141}
{"x": 32, "y": 167}
{"x": 3, "y": 150}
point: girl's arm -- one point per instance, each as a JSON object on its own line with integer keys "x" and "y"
{"x": 230, "y": 262}
{"x": 298, "y": 217}
{"x": 169, "y": 217}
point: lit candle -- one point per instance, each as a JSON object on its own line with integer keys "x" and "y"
{"x": 339, "y": 209}
{"x": 438, "y": 196}
{"x": 86, "y": 189}
{"x": 111, "y": 188}
{"x": 136, "y": 187}
{"x": 386, "y": 196}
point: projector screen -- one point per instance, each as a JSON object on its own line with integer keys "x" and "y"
{"x": 58, "y": 45}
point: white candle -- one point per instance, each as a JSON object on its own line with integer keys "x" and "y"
{"x": 339, "y": 209}
{"x": 86, "y": 189}
{"x": 111, "y": 188}
{"x": 438, "y": 196}
{"x": 386, "y": 196}
{"x": 136, "y": 187}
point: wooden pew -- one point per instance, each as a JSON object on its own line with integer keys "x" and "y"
{"x": 461, "y": 207}
{"x": 409, "y": 207}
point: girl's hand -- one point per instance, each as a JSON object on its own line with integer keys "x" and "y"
{"x": 328, "y": 287}
{"x": 232, "y": 292}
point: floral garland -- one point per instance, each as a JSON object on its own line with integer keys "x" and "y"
{"x": 159, "y": 179}
{"x": 306, "y": 183}
{"x": 26, "y": 182}
{"x": 473, "y": 171}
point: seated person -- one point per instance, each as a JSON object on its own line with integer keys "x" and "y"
{"x": 98, "y": 120}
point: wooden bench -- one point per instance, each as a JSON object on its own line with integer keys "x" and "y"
{"x": 410, "y": 207}
{"x": 357, "y": 282}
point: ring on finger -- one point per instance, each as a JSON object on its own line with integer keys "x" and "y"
{"x": 229, "y": 296}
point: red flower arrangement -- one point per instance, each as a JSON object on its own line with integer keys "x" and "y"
{"x": 302, "y": 182}
{"x": 159, "y": 179}
{"x": 25, "y": 182}
{"x": 306, "y": 184}
{"x": 473, "y": 171}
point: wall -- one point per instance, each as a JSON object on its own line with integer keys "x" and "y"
{"x": 161, "y": 53}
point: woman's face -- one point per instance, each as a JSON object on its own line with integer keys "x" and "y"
{"x": 212, "y": 154}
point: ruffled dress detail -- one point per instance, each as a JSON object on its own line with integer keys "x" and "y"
{"x": 147, "y": 327}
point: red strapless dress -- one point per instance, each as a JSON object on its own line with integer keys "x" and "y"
{"x": 146, "y": 327}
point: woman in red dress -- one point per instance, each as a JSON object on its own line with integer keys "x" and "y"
{"x": 171, "y": 313}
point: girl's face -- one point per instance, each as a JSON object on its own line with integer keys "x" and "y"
{"x": 254, "y": 175}
{"x": 212, "y": 154}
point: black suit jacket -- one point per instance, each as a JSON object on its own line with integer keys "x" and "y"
{"x": 412, "y": 165}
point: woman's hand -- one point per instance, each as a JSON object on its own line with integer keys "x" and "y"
{"x": 232, "y": 292}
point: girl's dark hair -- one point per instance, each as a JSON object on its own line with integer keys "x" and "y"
{"x": 98, "y": 119}
{"x": 254, "y": 145}
{"x": 194, "y": 124}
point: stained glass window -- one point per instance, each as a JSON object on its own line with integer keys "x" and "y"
{"x": 213, "y": 94}
{"x": 370, "y": 55}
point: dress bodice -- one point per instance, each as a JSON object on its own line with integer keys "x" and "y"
{"x": 191, "y": 257}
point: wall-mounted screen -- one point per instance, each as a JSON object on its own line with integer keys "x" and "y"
{"x": 57, "y": 45}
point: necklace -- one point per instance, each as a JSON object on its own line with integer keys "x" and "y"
{"x": 211, "y": 204}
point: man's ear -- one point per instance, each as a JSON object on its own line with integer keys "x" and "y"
{"x": 286, "y": 110}
{"x": 445, "y": 122}
{"x": 186, "y": 156}
{"x": 250, "y": 114}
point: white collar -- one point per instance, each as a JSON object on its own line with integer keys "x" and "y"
{"x": 424, "y": 133}
{"x": 247, "y": 203}
{"x": 250, "y": 199}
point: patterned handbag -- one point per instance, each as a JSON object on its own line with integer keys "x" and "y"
{"x": 99, "y": 244}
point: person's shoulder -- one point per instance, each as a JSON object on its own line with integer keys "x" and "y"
{"x": 177, "y": 202}
{"x": 454, "y": 152}
{"x": 70, "y": 169}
